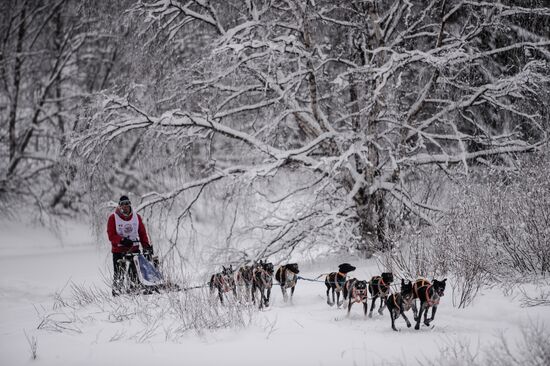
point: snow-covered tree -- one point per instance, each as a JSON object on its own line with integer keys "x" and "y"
{"x": 354, "y": 97}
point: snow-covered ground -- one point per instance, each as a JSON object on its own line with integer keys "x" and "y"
{"x": 35, "y": 266}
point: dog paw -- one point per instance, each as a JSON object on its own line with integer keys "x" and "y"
{"x": 417, "y": 326}
{"x": 408, "y": 325}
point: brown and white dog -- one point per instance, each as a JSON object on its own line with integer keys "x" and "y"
{"x": 287, "y": 276}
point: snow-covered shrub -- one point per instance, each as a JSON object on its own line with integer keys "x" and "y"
{"x": 410, "y": 257}
{"x": 506, "y": 220}
{"x": 460, "y": 248}
{"x": 442, "y": 255}
{"x": 532, "y": 350}
{"x": 496, "y": 229}
{"x": 142, "y": 318}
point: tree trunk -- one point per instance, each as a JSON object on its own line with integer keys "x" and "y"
{"x": 371, "y": 207}
{"x": 371, "y": 211}
{"x": 16, "y": 84}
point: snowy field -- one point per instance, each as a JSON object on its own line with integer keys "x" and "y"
{"x": 38, "y": 271}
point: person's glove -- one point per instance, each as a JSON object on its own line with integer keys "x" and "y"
{"x": 126, "y": 242}
{"x": 148, "y": 251}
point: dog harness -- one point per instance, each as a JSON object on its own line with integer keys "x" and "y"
{"x": 265, "y": 277}
{"x": 407, "y": 304}
{"x": 290, "y": 278}
{"x": 394, "y": 298}
{"x": 429, "y": 300}
{"x": 358, "y": 295}
{"x": 380, "y": 282}
{"x": 239, "y": 277}
{"x": 423, "y": 282}
{"x": 223, "y": 281}
{"x": 339, "y": 284}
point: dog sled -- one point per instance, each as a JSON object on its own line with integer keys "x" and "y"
{"x": 142, "y": 275}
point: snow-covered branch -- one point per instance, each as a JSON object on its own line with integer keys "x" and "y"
{"x": 360, "y": 95}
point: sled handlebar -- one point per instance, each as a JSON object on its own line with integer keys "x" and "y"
{"x": 132, "y": 254}
{"x": 137, "y": 241}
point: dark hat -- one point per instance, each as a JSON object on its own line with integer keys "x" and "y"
{"x": 124, "y": 200}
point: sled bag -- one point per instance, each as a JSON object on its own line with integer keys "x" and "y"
{"x": 148, "y": 275}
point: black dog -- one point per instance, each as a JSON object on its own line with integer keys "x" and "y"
{"x": 429, "y": 296}
{"x": 262, "y": 280}
{"x": 356, "y": 292}
{"x": 379, "y": 287}
{"x": 243, "y": 280}
{"x": 335, "y": 282}
{"x": 416, "y": 285}
{"x": 223, "y": 282}
{"x": 287, "y": 277}
{"x": 401, "y": 302}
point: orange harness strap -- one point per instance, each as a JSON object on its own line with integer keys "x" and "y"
{"x": 336, "y": 284}
{"x": 358, "y": 295}
{"x": 423, "y": 282}
{"x": 394, "y": 296}
{"x": 380, "y": 284}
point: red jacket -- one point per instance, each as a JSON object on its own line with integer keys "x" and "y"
{"x": 115, "y": 239}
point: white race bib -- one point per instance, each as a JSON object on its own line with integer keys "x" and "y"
{"x": 127, "y": 229}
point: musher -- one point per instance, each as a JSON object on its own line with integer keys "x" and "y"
{"x": 126, "y": 230}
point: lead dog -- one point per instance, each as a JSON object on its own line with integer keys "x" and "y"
{"x": 379, "y": 287}
{"x": 429, "y": 296}
{"x": 335, "y": 282}
{"x": 416, "y": 285}
{"x": 401, "y": 302}
{"x": 287, "y": 276}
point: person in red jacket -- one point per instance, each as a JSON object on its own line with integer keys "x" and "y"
{"x": 126, "y": 230}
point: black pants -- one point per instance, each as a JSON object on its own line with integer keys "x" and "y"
{"x": 119, "y": 272}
